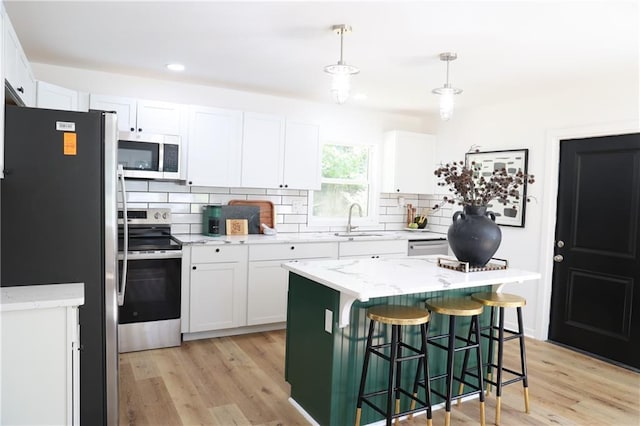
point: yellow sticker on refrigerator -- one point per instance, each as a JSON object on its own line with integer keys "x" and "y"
{"x": 70, "y": 144}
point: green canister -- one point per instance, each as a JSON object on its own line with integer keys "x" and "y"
{"x": 211, "y": 220}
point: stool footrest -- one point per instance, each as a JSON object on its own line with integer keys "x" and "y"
{"x": 422, "y": 407}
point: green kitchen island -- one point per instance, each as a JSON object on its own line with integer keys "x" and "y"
{"x": 327, "y": 325}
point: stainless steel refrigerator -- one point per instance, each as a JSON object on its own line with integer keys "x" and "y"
{"x": 58, "y": 225}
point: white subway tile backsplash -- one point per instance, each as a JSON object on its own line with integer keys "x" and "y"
{"x": 188, "y": 198}
{"x": 186, "y": 218}
{"x": 209, "y": 190}
{"x": 180, "y": 228}
{"x": 187, "y": 202}
{"x": 174, "y": 207}
{"x": 146, "y": 197}
{"x": 248, "y": 191}
{"x": 159, "y": 186}
{"x": 136, "y": 185}
{"x": 295, "y": 218}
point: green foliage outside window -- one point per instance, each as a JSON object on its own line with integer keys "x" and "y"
{"x": 345, "y": 174}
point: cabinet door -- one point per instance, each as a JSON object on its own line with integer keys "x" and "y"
{"x": 408, "y": 163}
{"x": 302, "y": 156}
{"x": 159, "y": 117}
{"x": 10, "y": 52}
{"x": 262, "y": 151}
{"x": 56, "y": 97}
{"x": 26, "y": 81}
{"x": 218, "y": 296}
{"x": 215, "y": 147}
{"x": 267, "y": 292}
{"x": 124, "y": 107}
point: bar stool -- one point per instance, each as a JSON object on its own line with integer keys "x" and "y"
{"x": 396, "y": 316}
{"x": 501, "y": 301}
{"x": 454, "y": 308}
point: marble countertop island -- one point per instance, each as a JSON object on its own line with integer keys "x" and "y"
{"x": 364, "y": 279}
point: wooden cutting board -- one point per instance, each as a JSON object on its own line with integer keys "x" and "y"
{"x": 267, "y": 212}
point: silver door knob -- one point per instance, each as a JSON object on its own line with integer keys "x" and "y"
{"x": 558, "y": 258}
{"x": 560, "y": 244}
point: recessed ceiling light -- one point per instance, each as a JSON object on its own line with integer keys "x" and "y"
{"x": 360, "y": 96}
{"x": 175, "y": 67}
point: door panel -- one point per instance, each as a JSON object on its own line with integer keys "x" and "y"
{"x": 596, "y": 283}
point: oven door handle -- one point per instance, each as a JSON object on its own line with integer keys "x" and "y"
{"x": 173, "y": 254}
{"x": 125, "y": 220}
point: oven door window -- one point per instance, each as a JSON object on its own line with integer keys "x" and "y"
{"x": 143, "y": 156}
{"x": 152, "y": 292}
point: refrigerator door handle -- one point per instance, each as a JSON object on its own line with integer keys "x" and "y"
{"x": 125, "y": 248}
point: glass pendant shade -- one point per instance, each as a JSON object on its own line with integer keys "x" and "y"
{"x": 446, "y": 101}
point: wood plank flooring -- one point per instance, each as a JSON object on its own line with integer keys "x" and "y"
{"x": 239, "y": 380}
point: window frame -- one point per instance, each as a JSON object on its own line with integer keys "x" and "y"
{"x": 371, "y": 219}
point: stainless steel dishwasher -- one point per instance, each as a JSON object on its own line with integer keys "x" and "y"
{"x": 430, "y": 246}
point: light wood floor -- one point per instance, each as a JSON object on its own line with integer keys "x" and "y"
{"x": 239, "y": 381}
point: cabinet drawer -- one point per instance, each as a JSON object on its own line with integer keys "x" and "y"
{"x": 285, "y": 251}
{"x": 359, "y": 248}
{"x": 218, "y": 253}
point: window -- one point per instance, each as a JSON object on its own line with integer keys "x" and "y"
{"x": 346, "y": 179}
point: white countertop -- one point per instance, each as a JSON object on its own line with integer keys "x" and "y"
{"x": 307, "y": 237}
{"x": 20, "y": 298}
{"x": 363, "y": 279}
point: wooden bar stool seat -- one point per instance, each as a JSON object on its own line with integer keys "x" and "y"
{"x": 502, "y": 301}
{"x": 394, "y": 352}
{"x": 454, "y": 308}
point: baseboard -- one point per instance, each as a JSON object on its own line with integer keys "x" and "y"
{"x": 234, "y": 331}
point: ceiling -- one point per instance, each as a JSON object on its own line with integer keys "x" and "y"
{"x": 506, "y": 49}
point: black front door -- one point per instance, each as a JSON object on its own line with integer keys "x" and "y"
{"x": 595, "y": 304}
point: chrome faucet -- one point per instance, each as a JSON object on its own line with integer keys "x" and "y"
{"x": 349, "y": 226}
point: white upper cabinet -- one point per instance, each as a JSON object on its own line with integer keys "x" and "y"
{"x": 16, "y": 66}
{"x": 302, "y": 155}
{"x": 215, "y": 147}
{"x": 142, "y": 116}
{"x": 408, "y": 163}
{"x": 51, "y": 96}
{"x": 262, "y": 150}
{"x": 279, "y": 154}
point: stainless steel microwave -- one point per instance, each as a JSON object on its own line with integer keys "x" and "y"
{"x": 149, "y": 156}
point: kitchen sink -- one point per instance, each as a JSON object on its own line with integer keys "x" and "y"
{"x": 357, "y": 234}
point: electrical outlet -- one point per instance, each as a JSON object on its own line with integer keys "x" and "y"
{"x": 297, "y": 206}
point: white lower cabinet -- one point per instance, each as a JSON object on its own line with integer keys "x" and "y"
{"x": 217, "y": 288}
{"x": 373, "y": 249}
{"x": 40, "y": 366}
{"x": 268, "y": 281}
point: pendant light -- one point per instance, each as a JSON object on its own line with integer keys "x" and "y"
{"x": 447, "y": 92}
{"x": 341, "y": 72}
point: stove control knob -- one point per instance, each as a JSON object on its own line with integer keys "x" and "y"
{"x": 164, "y": 215}
{"x": 157, "y": 215}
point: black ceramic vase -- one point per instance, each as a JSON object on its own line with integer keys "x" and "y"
{"x": 474, "y": 236}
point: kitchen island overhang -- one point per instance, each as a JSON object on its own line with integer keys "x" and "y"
{"x": 324, "y": 351}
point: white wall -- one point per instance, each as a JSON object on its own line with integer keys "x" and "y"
{"x": 533, "y": 123}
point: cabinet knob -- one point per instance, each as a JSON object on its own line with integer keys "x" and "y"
{"x": 20, "y": 89}
{"x": 280, "y": 185}
{"x": 397, "y": 190}
{"x": 139, "y": 129}
{"x": 190, "y": 183}
{"x": 133, "y": 130}
{"x": 193, "y": 267}
{"x": 217, "y": 250}
{"x": 293, "y": 247}
{"x": 286, "y": 186}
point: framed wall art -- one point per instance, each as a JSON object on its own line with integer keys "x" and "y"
{"x": 513, "y": 213}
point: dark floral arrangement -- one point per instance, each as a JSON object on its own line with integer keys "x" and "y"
{"x": 470, "y": 188}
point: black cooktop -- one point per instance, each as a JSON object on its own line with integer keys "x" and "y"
{"x": 148, "y": 239}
